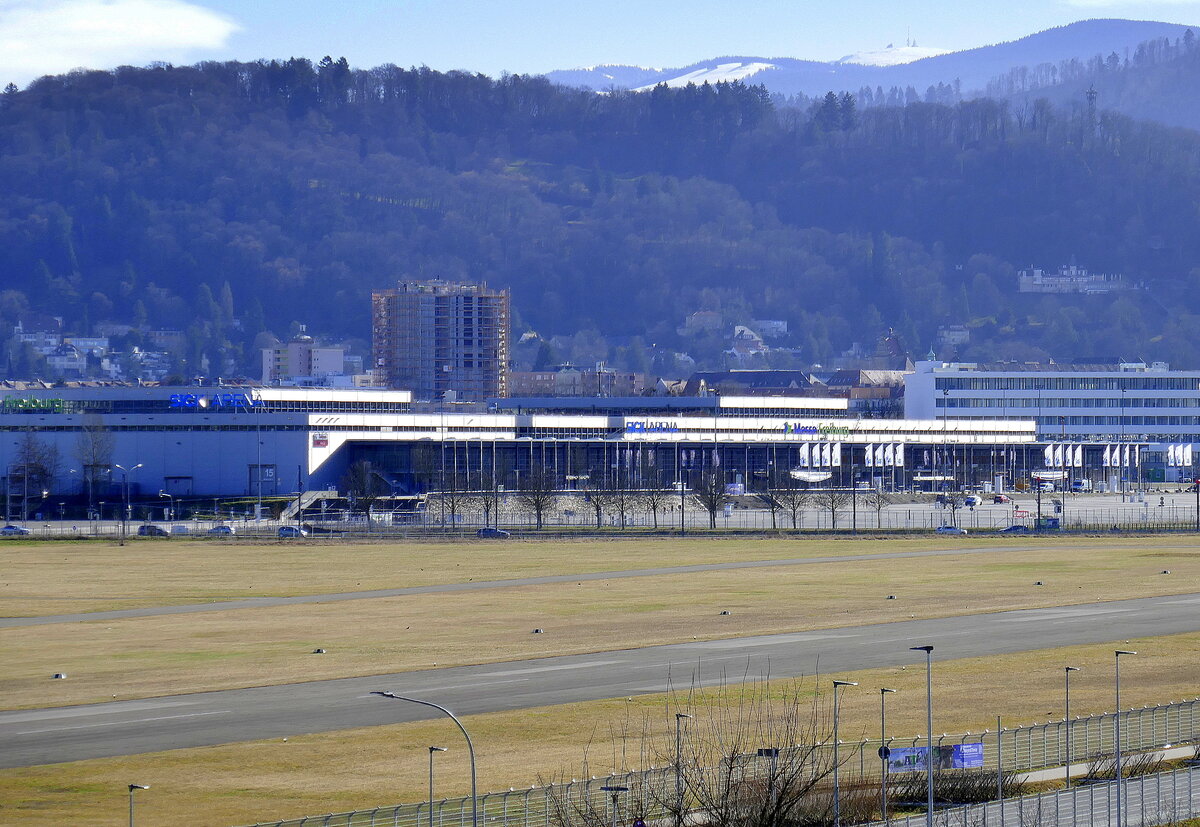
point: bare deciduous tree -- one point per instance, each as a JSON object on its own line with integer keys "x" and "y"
{"x": 453, "y": 496}
{"x": 878, "y": 500}
{"x": 710, "y": 491}
{"x": 94, "y": 450}
{"x": 36, "y": 464}
{"x": 536, "y": 494}
{"x": 596, "y": 497}
{"x": 792, "y": 497}
{"x": 363, "y": 486}
{"x": 725, "y": 780}
{"x": 486, "y": 497}
{"x": 832, "y": 500}
{"x": 622, "y": 497}
{"x": 655, "y": 499}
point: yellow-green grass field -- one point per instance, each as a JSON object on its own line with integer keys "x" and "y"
{"x": 160, "y": 655}
{"x": 39, "y": 578}
{"x": 340, "y": 771}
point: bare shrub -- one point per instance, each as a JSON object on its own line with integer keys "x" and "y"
{"x": 725, "y": 764}
{"x": 1104, "y": 768}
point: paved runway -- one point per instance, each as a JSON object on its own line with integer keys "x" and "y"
{"x": 333, "y": 597}
{"x": 47, "y": 736}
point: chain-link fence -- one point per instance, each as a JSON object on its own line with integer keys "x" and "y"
{"x": 1160, "y": 798}
{"x": 432, "y": 525}
{"x": 1021, "y": 749}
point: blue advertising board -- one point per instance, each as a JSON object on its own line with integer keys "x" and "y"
{"x": 949, "y": 757}
{"x": 967, "y": 756}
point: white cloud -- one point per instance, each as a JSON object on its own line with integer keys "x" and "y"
{"x": 41, "y": 37}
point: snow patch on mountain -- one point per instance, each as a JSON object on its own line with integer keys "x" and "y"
{"x": 721, "y": 73}
{"x": 892, "y": 56}
{"x": 601, "y": 67}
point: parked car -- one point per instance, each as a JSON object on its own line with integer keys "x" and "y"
{"x": 950, "y": 529}
{"x": 222, "y": 530}
{"x": 152, "y": 531}
{"x": 291, "y": 531}
{"x": 493, "y": 533}
{"x": 1000, "y": 499}
{"x": 1015, "y": 529}
{"x": 180, "y": 530}
{"x": 972, "y": 501}
{"x": 13, "y": 531}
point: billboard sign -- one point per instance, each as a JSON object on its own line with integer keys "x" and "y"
{"x": 947, "y": 757}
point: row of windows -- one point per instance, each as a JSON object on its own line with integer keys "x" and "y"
{"x": 1069, "y": 383}
{"x": 180, "y": 428}
{"x": 1049, "y": 430}
{"x": 1128, "y": 421}
{"x": 683, "y": 413}
{"x": 465, "y": 432}
{"x": 140, "y": 406}
{"x": 1051, "y": 402}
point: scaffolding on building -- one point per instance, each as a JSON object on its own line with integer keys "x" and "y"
{"x": 442, "y": 340}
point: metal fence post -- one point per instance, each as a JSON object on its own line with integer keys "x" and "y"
{"x": 1000, "y": 766}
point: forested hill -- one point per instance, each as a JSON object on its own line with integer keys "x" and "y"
{"x": 229, "y": 200}
{"x": 1159, "y": 80}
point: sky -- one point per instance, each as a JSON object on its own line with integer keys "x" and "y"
{"x": 39, "y": 37}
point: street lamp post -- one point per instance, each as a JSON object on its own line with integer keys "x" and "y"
{"x": 837, "y": 799}
{"x": 945, "y": 428}
{"x": 1117, "y": 732}
{"x": 125, "y": 472}
{"x": 170, "y": 504}
{"x": 432, "y": 750}
{"x": 928, "y": 650}
{"x": 1122, "y": 448}
{"x": 883, "y": 752}
{"x": 1196, "y": 480}
{"x": 133, "y": 787}
{"x": 679, "y": 719}
{"x": 1067, "y": 670}
{"x": 615, "y": 790}
{"x": 470, "y": 746}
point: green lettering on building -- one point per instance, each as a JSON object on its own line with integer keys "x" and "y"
{"x": 12, "y": 404}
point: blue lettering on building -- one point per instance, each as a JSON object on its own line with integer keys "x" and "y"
{"x": 216, "y": 400}
{"x": 651, "y": 428}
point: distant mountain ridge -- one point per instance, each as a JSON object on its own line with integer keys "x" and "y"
{"x": 972, "y": 69}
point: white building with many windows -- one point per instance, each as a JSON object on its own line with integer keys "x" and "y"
{"x": 1095, "y": 407}
{"x": 197, "y": 442}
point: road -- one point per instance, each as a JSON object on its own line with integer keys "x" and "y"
{"x": 333, "y": 597}
{"x": 46, "y": 736}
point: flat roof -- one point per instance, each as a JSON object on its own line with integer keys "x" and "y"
{"x": 669, "y": 403}
{"x": 1121, "y": 368}
{"x": 165, "y": 392}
